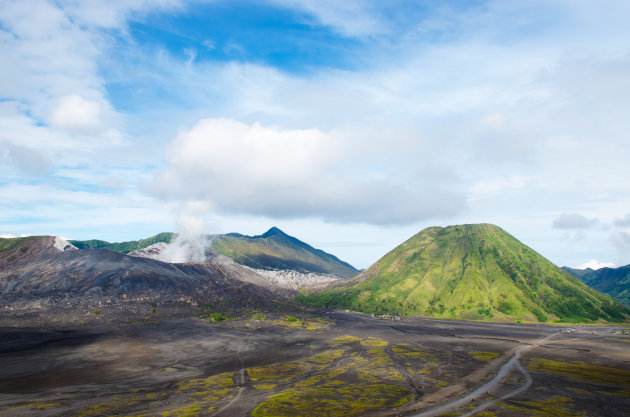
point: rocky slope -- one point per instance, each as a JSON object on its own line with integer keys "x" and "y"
{"x": 37, "y": 274}
{"x": 477, "y": 272}
{"x": 22, "y": 250}
{"x": 283, "y": 279}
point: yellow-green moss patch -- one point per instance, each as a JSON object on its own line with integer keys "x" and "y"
{"x": 279, "y": 372}
{"x": 346, "y": 400}
{"x": 556, "y": 406}
{"x": 580, "y": 371}
{"x": 344, "y": 339}
{"x": 374, "y": 342}
{"x": 484, "y": 356}
{"x": 183, "y": 412}
{"x": 265, "y": 387}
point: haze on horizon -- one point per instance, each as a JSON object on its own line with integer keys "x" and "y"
{"x": 350, "y": 125}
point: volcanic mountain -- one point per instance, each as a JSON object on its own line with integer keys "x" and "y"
{"x": 273, "y": 250}
{"x": 612, "y": 281}
{"x": 277, "y": 250}
{"x": 48, "y": 272}
{"x": 476, "y": 272}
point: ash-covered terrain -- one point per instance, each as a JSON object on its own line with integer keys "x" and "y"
{"x": 334, "y": 364}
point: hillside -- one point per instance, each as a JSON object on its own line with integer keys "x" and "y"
{"x": 277, "y": 250}
{"x": 612, "y": 281}
{"x": 271, "y": 250}
{"x": 45, "y": 275}
{"x": 124, "y": 247}
{"x": 476, "y": 272}
{"x": 21, "y": 250}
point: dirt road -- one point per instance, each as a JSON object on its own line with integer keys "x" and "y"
{"x": 490, "y": 385}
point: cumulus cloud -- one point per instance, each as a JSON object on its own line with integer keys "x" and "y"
{"x": 288, "y": 173}
{"x": 621, "y": 241}
{"x": 595, "y": 264}
{"x": 573, "y": 221}
{"x": 76, "y": 114}
{"x": 24, "y": 159}
{"x": 622, "y": 222}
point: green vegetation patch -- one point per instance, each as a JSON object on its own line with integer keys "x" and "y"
{"x": 289, "y": 322}
{"x": 409, "y": 352}
{"x": 183, "y": 412}
{"x": 374, "y": 342}
{"x": 484, "y": 356}
{"x": 287, "y": 371}
{"x": 579, "y": 371}
{"x": 265, "y": 387}
{"x": 376, "y": 367}
{"x": 348, "y": 400}
{"x": 556, "y": 406}
{"x": 344, "y": 339}
{"x": 124, "y": 247}
{"x": 279, "y": 372}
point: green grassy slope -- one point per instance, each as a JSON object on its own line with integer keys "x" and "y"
{"x": 277, "y": 250}
{"x": 612, "y": 281}
{"x": 476, "y": 272}
{"x": 124, "y": 247}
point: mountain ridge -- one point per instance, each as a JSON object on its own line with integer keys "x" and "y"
{"x": 273, "y": 249}
{"x": 612, "y": 281}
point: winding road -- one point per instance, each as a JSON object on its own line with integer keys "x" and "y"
{"x": 490, "y": 385}
{"x": 242, "y": 342}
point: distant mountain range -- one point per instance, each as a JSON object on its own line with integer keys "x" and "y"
{"x": 271, "y": 250}
{"x": 476, "y": 272}
{"x": 48, "y": 278}
{"x": 612, "y": 281}
{"x": 472, "y": 272}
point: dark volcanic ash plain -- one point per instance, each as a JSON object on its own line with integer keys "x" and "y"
{"x": 323, "y": 364}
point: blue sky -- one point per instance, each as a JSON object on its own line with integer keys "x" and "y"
{"x": 351, "y": 125}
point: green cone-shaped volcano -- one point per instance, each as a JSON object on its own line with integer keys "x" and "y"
{"x": 476, "y": 272}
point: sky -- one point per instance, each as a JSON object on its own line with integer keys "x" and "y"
{"x": 350, "y": 125}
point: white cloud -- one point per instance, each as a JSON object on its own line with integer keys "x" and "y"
{"x": 76, "y": 114}
{"x": 595, "y": 264}
{"x": 26, "y": 160}
{"x": 349, "y": 17}
{"x": 621, "y": 241}
{"x": 573, "y": 221}
{"x": 622, "y": 222}
{"x": 261, "y": 170}
{"x": 85, "y": 214}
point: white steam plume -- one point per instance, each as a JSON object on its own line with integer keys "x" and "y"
{"x": 191, "y": 240}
